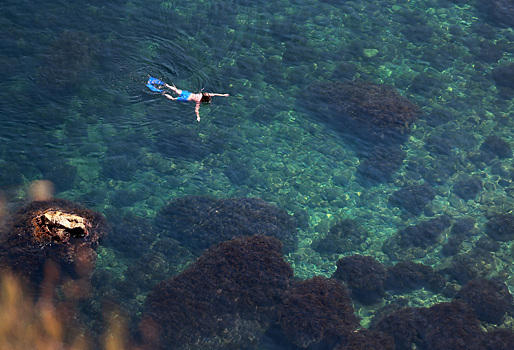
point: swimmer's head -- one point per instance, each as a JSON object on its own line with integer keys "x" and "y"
{"x": 206, "y": 98}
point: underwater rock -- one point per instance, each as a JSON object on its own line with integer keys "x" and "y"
{"x": 198, "y": 222}
{"x": 381, "y": 164}
{"x": 487, "y": 244}
{"x": 413, "y": 198}
{"x": 10, "y": 175}
{"x": 224, "y": 300}
{"x": 407, "y": 276}
{"x": 54, "y": 230}
{"x": 443, "y": 326}
{"x": 344, "y": 236}
{"x": 366, "y": 339}
{"x": 453, "y": 245}
{"x": 468, "y": 187}
{"x": 364, "y": 276}
{"x": 499, "y": 339}
{"x": 466, "y": 266}
{"x": 501, "y": 227}
{"x": 376, "y": 114}
{"x": 188, "y": 144}
{"x": 415, "y": 241}
{"x": 237, "y": 173}
{"x": 452, "y": 326}
{"x": 316, "y": 312}
{"x": 405, "y": 325}
{"x": 490, "y": 299}
{"x": 465, "y": 226}
{"x": 498, "y": 12}
{"x": 496, "y": 146}
{"x": 67, "y": 59}
{"x": 503, "y": 76}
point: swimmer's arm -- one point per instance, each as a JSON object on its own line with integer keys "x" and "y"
{"x": 197, "y": 111}
{"x": 215, "y": 94}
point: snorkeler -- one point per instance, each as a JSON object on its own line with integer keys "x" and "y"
{"x": 183, "y": 95}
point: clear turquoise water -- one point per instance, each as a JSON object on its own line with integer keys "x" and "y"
{"x": 74, "y": 110}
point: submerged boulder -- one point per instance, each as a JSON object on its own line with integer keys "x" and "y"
{"x": 225, "y": 300}
{"x": 199, "y": 222}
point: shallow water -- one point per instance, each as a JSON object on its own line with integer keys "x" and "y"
{"x": 75, "y": 110}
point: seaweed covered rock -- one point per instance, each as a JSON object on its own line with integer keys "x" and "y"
{"x": 381, "y": 164}
{"x": 67, "y": 59}
{"x": 467, "y": 187}
{"x": 499, "y": 339}
{"x": 224, "y": 300}
{"x": 497, "y": 147}
{"x": 406, "y": 276}
{"x": 366, "y": 339}
{"x": 56, "y": 230}
{"x": 452, "y": 326}
{"x": 405, "y": 325}
{"x": 413, "y": 198}
{"x": 364, "y": 276}
{"x": 443, "y": 326}
{"x": 188, "y": 144}
{"x": 415, "y": 241}
{"x": 198, "y": 222}
{"x": 317, "y": 312}
{"x": 501, "y": 227}
{"x": 453, "y": 245}
{"x": 490, "y": 299}
{"x": 464, "y": 226}
{"x": 503, "y": 77}
{"x": 498, "y": 12}
{"x": 376, "y": 114}
{"x": 344, "y": 236}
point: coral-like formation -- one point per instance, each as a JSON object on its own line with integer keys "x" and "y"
{"x": 501, "y": 227}
{"x": 366, "y": 339}
{"x": 224, "y": 300}
{"x": 377, "y": 114}
{"x": 198, "y": 222}
{"x": 344, "y": 236}
{"x": 413, "y": 198}
{"x": 317, "y": 311}
{"x": 364, "y": 276}
{"x": 496, "y": 146}
{"x": 490, "y": 299}
{"x": 415, "y": 241}
{"x": 467, "y": 187}
{"x": 406, "y": 276}
{"x": 55, "y": 230}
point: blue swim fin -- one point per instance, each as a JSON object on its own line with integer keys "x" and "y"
{"x": 154, "y": 81}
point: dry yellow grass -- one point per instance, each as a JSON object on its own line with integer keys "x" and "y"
{"x": 38, "y": 325}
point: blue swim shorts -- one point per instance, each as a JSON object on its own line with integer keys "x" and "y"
{"x": 184, "y": 96}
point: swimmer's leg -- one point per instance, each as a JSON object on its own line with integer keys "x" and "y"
{"x": 169, "y": 96}
{"x": 173, "y": 88}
